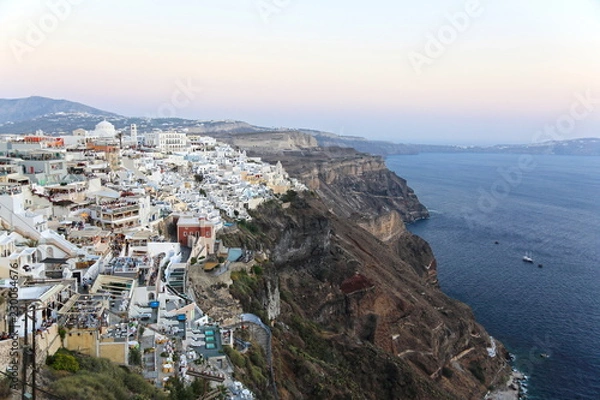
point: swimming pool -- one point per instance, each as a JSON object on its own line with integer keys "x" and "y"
{"x": 234, "y": 254}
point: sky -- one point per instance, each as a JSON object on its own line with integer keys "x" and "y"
{"x": 432, "y": 71}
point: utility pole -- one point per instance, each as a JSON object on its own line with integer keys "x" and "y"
{"x": 33, "y": 362}
{"x": 29, "y": 352}
{"x": 25, "y": 356}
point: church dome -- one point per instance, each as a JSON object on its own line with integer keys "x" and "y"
{"x": 105, "y": 130}
{"x": 105, "y": 126}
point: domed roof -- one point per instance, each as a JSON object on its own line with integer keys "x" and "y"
{"x": 104, "y": 125}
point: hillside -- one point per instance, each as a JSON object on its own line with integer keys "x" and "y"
{"x": 36, "y": 107}
{"x": 357, "y": 310}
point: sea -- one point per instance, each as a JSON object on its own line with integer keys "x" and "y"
{"x": 487, "y": 212}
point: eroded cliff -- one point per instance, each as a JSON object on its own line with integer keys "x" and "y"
{"x": 356, "y": 186}
{"x": 359, "y": 314}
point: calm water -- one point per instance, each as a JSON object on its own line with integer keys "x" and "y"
{"x": 546, "y": 205}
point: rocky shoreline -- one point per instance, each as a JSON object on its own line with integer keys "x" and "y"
{"x": 512, "y": 390}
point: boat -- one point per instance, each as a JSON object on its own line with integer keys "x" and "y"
{"x": 527, "y": 258}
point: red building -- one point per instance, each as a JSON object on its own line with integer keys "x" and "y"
{"x": 189, "y": 228}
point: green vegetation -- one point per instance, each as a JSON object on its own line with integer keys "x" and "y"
{"x": 289, "y": 196}
{"x": 96, "y": 379}
{"x": 251, "y": 367}
{"x": 249, "y": 226}
{"x": 477, "y": 371}
{"x": 244, "y": 288}
{"x": 257, "y": 269}
{"x": 62, "y": 332}
{"x": 235, "y": 356}
{"x": 316, "y": 346}
{"x": 135, "y": 356}
{"x": 63, "y": 360}
{"x": 245, "y": 282}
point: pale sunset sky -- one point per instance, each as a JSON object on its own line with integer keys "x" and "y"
{"x": 431, "y": 71}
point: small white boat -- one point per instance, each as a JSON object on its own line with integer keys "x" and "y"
{"x": 527, "y": 258}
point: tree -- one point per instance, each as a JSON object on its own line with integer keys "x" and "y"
{"x": 135, "y": 356}
{"x": 62, "y": 332}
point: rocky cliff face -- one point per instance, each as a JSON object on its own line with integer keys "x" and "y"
{"x": 270, "y": 142}
{"x": 359, "y": 314}
{"x": 357, "y": 186}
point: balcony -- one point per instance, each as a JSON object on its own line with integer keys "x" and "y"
{"x": 114, "y": 209}
{"x": 36, "y": 156}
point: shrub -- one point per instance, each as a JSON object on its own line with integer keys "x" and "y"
{"x": 289, "y": 196}
{"x": 137, "y": 384}
{"x": 135, "y": 356}
{"x": 249, "y": 226}
{"x": 257, "y": 376}
{"x": 63, "y": 360}
{"x": 477, "y": 371}
{"x": 100, "y": 379}
{"x": 257, "y": 269}
{"x": 236, "y": 358}
{"x": 257, "y": 358}
{"x": 447, "y": 372}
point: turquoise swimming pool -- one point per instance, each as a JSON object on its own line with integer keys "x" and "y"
{"x": 234, "y": 254}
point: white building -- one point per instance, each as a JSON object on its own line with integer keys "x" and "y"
{"x": 104, "y": 130}
{"x": 166, "y": 142}
{"x": 169, "y": 142}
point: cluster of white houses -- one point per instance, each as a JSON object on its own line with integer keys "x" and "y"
{"x": 83, "y": 231}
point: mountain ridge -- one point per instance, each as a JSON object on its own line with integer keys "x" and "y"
{"x": 53, "y": 116}
{"x": 34, "y": 107}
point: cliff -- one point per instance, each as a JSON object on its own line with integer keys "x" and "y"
{"x": 352, "y": 296}
{"x": 356, "y": 186}
{"x": 270, "y": 142}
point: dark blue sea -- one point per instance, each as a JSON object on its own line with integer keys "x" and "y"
{"x": 546, "y": 205}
